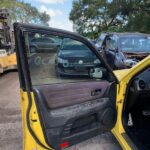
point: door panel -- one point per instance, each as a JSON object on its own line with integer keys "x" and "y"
{"x": 74, "y": 88}
{"x": 75, "y": 115}
{"x": 76, "y": 93}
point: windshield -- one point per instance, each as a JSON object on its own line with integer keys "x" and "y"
{"x": 135, "y": 44}
{"x": 70, "y": 44}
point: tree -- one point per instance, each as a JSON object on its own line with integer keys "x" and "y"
{"x": 92, "y": 17}
{"x": 138, "y": 16}
{"x": 24, "y": 12}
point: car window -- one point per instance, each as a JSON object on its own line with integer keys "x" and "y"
{"x": 40, "y": 38}
{"x": 111, "y": 43}
{"x": 138, "y": 43}
{"x": 101, "y": 39}
{"x": 33, "y": 40}
{"x": 68, "y": 60}
{"x": 70, "y": 44}
{"x": 47, "y": 40}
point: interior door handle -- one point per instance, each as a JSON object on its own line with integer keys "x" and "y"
{"x": 96, "y": 92}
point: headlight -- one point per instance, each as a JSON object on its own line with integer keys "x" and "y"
{"x": 96, "y": 61}
{"x": 60, "y": 60}
{"x": 64, "y": 62}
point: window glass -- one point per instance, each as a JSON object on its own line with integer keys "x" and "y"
{"x": 70, "y": 44}
{"x": 101, "y": 39}
{"x": 111, "y": 43}
{"x": 139, "y": 44}
{"x": 62, "y": 60}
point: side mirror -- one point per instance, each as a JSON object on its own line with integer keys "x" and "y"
{"x": 97, "y": 72}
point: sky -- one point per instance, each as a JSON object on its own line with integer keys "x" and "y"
{"x": 58, "y": 10}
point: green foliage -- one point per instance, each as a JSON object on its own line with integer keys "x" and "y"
{"x": 24, "y": 12}
{"x": 139, "y": 16}
{"x": 90, "y": 17}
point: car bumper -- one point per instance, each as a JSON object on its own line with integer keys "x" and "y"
{"x": 75, "y": 70}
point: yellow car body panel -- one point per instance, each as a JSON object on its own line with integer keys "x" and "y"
{"x": 30, "y": 144}
{"x": 28, "y": 141}
{"x": 8, "y": 62}
{"x": 124, "y": 77}
{"x": 121, "y": 73}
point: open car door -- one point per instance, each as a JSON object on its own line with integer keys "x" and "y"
{"x": 68, "y": 92}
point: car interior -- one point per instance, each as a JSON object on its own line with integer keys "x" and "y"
{"x": 136, "y": 116}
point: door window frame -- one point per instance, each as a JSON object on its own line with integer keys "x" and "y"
{"x": 23, "y": 68}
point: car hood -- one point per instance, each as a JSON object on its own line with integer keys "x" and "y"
{"x": 76, "y": 54}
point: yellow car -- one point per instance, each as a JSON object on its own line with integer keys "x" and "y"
{"x": 60, "y": 111}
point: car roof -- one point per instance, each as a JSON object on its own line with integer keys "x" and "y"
{"x": 133, "y": 34}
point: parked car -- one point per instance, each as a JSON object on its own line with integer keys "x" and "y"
{"x": 124, "y": 50}
{"x": 74, "y": 58}
{"x": 59, "y": 115}
{"x": 42, "y": 44}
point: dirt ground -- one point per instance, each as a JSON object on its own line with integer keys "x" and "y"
{"x": 10, "y": 116}
{"x": 10, "y": 120}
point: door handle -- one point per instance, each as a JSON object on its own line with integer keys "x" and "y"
{"x": 96, "y": 92}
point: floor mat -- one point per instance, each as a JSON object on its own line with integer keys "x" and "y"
{"x": 102, "y": 142}
{"x": 143, "y": 136}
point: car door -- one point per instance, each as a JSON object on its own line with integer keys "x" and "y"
{"x": 60, "y": 110}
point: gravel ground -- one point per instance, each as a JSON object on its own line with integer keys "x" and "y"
{"x": 10, "y": 120}
{"x": 10, "y": 116}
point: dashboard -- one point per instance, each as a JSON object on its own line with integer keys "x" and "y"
{"x": 139, "y": 90}
{"x": 143, "y": 80}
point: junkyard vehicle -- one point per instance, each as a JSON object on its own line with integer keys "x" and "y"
{"x": 124, "y": 50}
{"x": 36, "y": 44}
{"x": 74, "y": 58}
{"x": 7, "y": 54}
{"x": 100, "y": 39}
{"x": 60, "y": 112}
